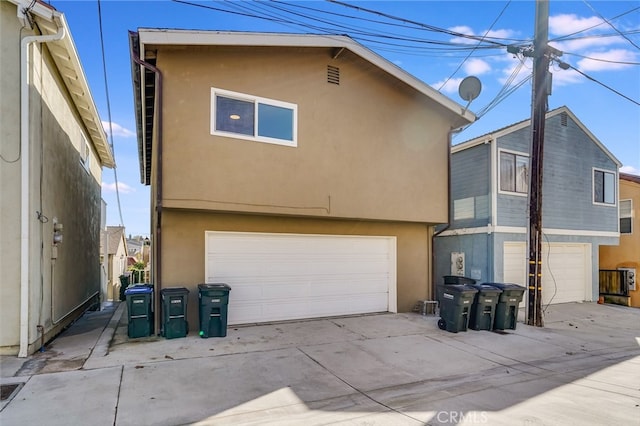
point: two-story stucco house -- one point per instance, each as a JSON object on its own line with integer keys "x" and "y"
{"x": 53, "y": 149}
{"x": 487, "y": 238}
{"x": 304, "y": 171}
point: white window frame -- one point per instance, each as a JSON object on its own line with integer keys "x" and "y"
{"x": 255, "y": 100}
{"x": 627, "y": 217}
{"x": 593, "y": 187}
{"x": 85, "y": 154}
{"x": 517, "y": 153}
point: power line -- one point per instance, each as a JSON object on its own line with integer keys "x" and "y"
{"x": 565, "y": 37}
{"x": 475, "y": 47}
{"x": 106, "y": 88}
{"x": 611, "y": 25}
{"x": 602, "y": 60}
{"x": 564, "y": 65}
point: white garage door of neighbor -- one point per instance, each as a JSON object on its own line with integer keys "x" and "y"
{"x": 277, "y": 277}
{"x": 566, "y": 274}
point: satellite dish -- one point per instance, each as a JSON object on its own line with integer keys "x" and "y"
{"x": 470, "y": 88}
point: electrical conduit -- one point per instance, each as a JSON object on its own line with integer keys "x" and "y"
{"x": 24, "y": 181}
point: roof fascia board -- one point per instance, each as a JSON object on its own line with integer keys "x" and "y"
{"x": 47, "y": 16}
{"x": 526, "y": 123}
{"x": 591, "y": 135}
{"x": 186, "y": 37}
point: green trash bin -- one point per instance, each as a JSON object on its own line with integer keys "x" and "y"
{"x": 507, "y": 308}
{"x": 174, "y": 312}
{"x": 139, "y": 311}
{"x": 213, "y": 309}
{"x": 455, "y": 307}
{"x": 484, "y": 307}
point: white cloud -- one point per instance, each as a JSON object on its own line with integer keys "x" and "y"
{"x": 585, "y": 43}
{"x": 450, "y": 87}
{"x": 476, "y": 67}
{"x": 560, "y": 25}
{"x": 630, "y": 170}
{"x": 562, "y": 77}
{"x": 615, "y": 55}
{"x": 123, "y": 188}
{"x": 117, "y": 129}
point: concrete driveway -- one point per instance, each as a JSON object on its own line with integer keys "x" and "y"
{"x": 583, "y": 368}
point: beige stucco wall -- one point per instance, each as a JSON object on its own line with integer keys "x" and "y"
{"x": 369, "y": 148}
{"x": 627, "y": 254}
{"x": 60, "y": 188}
{"x": 183, "y": 260}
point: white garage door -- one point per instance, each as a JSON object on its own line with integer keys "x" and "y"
{"x": 566, "y": 275}
{"x": 292, "y": 276}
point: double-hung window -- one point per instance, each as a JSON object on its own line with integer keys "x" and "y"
{"x": 514, "y": 172}
{"x": 254, "y": 118}
{"x": 604, "y": 187}
{"x": 626, "y": 216}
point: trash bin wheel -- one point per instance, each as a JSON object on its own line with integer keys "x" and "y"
{"x": 442, "y": 324}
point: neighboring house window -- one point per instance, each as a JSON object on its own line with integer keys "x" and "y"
{"x": 253, "y": 118}
{"x": 604, "y": 188}
{"x": 85, "y": 154}
{"x": 514, "y": 172}
{"x": 626, "y": 215}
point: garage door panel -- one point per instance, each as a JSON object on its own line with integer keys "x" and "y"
{"x": 566, "y": 270}
{"x": 285, "y": 276}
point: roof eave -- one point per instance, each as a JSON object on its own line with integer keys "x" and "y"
{"x": 65, "y": 56}
{"x": 224, "y": 38}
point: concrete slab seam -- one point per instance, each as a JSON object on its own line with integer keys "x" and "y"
{"x": 369, "y": 397}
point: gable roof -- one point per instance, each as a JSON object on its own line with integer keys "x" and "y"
{"x": 526, "y": 123}
{"x": 159, "y": 37}
{"x": 65, "y": 57}
{"x": 114, "y": 236}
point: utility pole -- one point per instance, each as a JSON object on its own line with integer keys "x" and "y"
{"x": 541, "y": 82}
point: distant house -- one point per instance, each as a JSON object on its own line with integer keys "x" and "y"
{"x": 487, "y": 238}
{"x": 305, "y": 171}
{"x": 620, "y": 264}
{"x": 114, "y": 243}
{"x": 53, "y": 150}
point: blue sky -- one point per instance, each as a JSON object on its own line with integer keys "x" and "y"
{"x": 607, "y": 50}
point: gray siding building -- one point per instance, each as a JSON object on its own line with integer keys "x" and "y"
{"x": 487, "y": 236}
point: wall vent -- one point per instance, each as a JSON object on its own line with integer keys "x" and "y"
{"x": 333, "y": 75}
{"x": 563, "y": 119}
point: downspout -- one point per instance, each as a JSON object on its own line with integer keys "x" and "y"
{"x": 449, "y": 202}
{"x": 24, "y": 181}
{"x": 158, "y": 227}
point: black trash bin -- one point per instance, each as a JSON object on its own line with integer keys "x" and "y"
{"x": 507, "y": 308}
{"x": 455, "y": 307}
{"x": 452, "y": 280}
{"x": 174, "y": 312}
{"x": 484, "y": 307}
{"x": 139, "y": 310}
{"x": 213, "y": 309}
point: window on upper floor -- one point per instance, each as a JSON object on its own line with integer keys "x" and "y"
{"x": 514, "y": 172}
{"x": 626, "y": 216}
{"x": 604, "y": 187}
{"x": 253, "y": 118}
{"x": 85, "y": 154}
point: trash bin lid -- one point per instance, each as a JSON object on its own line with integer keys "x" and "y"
{"x": 456, "y": 279}
{"x": 214, "y": 286}
{"x": 460, "y": 288}
{"x": 487, "y": 289}
{"x": 506, "y": 286}
{"x": 138, "y": 290}
{"x": 180, "y": 290}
